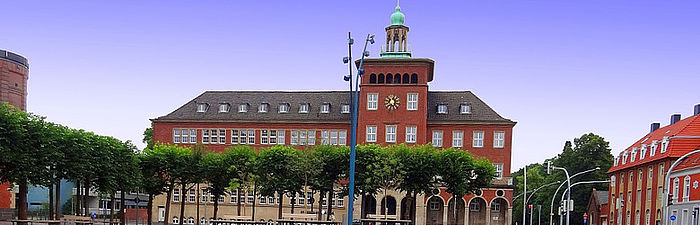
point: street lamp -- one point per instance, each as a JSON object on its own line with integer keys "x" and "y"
{"x": 551, "y": 213}
{"x": 353, "y": 121}
{"x": 568, "y": 202}
{"x": 667, "y": 179}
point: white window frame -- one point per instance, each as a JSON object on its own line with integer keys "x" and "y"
{"x": 325, "y": 108}
{"x": 283, "y": 108}
{"x": 465, "y": 109}
{"x": 478, "y": 139}
{"x": 457, "y": 138}
{"x": 242, "y": 108}
{"x": 442, "y": 109}
{"x": 412, "y": 101}
{"x": 224, "y": 107}
{"x": 176, "y": 195}
{"x": 304, "y": 108}
{"x": 234, "y": 197}
{"x": 390, "y": 134}
{"x": 202, "y": 107}
{"x": 411, "y": 134}
{"x": 499, "y": 139}
{"x": 437, "y": 138}
{"x": 371, "y": 133}
{"x": 664, "y": 144}
{"x": 654, "y": 146}
{"x": 676, "y": 186}
{"x": 345, "y": 109}
{"x": 499, "y": 170}
{"x": 192, "y": 196}
{"x": 642, "y": 151}
{"x": 372, "y": 101}
{"x": 263, "y": 107}
{"x": 686, "y": 188}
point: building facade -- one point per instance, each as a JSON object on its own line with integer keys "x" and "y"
{"x": 395, "y": 107}
{"x": 636, "y": 193}
{"x": 14, "y": 72}
{"x": 684, "y": 187}
{"x": 597, "y": 209}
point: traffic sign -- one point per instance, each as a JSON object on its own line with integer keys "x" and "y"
{"x": 673, "y": 218}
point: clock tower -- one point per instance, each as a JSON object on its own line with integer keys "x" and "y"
{"x": 394, "y": 91}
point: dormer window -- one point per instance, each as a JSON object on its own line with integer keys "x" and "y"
{"x": 643, "y": 152}
{"x": 634, "y": 154}
{"x": 616, "y": 159}
{"x": 442, "y": 109}
{"x": 654, "y": 145}
{"x": 284, "y": 108}
{"x": 624, "y": 157}
{"x": 345, "y": 108}
{"x": 263, "y": 107}
{"x": 325, "y": 107}
{"x": 243, "y": 108}
{"x": 202, "y": 107}
{"x": 304, "y": 108}
{"x": 224, "y": 107}
{"x": 465, "y": 109}
{"x": 664, "y": 144}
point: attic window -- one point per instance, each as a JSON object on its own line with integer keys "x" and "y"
{"x": 304, "y": 108}
{"x": 284, "y": 108}
{"x": 654, "y": 145}
{"x": 634, "y": 154}
{"x": 664, "y": 144}
{"x": 345, "y": 108}
{"x": 224, "y": 107}
{"x": 243, "y": 108}
{"x": 643, "y": 151}
{"x": 465, "y": 108}
{"x": 263, "y": 107}
{"x": 202, "y": 107}
{"x": 442, "y": 109}
{"x": 325, "y": 107}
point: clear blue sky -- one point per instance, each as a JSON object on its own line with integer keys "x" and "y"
{"x": 559, "y": 68}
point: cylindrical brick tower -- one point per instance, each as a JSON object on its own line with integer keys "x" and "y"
{"x": 14, "y": 72}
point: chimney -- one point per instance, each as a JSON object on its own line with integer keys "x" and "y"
{"x": 655, "y": 126}
{"x": 675, "y": 118}
{"x": 697, "y": 109}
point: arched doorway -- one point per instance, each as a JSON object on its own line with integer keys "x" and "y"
{"x": 388, "y": 206}
{"x": 408, "y": 209}
{"x": 477, "y": 211}
{"x": 369, "y": 206}
{"x": 455, "y": 214}
{"x": 499, "y": 207}
{"x": 434, "y": 211}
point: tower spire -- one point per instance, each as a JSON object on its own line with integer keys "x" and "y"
{"x": 396, "y": 36}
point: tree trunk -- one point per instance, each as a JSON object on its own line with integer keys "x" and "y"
{"x": 320, "y": 204}
{"x": 182, "y": 204}
{"x": 113, "y": 207}
{"x": 167, "y": 205}
{"x": 279, "y": 212}
{"x": 197, "y": 197}
{"x": 255, "y": 193}
{"x": 22, "y": 203}
{"x": 86, "y": 206}
{"x": 330, "y": 208}
{"x": 240, "y": 201}
{"x": 413, "y": 207}
{"x": 78, "y": 196}
{"x": 309, "y": 202}
{"x": 149, "y": 211}
{"x": 216, "y": 205}
{"x": 59, "y": 214}
{"x": 123, "y": 209}
{"x": 50, "y": 209}
{"x": 293, "y": 199}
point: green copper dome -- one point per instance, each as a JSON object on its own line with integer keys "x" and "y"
{"x": 397, "y": 17}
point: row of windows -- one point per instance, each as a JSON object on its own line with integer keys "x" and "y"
{"x": 264, "y": 107}
{"x": 412, "y": 104}
{"x": 393, "y": 79}
{"x": 267, "y": 136}
{"x": 642, "y": 151}
{"x": 457, "y": 136}
{"x": 249, "y": 198}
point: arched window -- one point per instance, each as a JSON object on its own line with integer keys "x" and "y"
{"x": 414, "y": 78}
{"x": 380, "y": 80}
{"x": 389, "y": 78}
{"x": 686, "y": 188}
{"x": 676, "y": 185}
{"x": 191, "y": 220}
{"x": 397, "y": 78}
{"x": 647, "y": 218}
{"x": 636, "y": 217}
{"x": 373, "y": 78}
{"x": 175, "y": 220}
{"x": 405, "y": 79}
{"x": 388, "y": 206}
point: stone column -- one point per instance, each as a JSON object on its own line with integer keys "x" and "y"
{"x": 445, "y": 210}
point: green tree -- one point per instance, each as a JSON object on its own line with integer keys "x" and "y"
{"x": 173, "y": 158}
{"x": 389, "y": 172}
{"x": 419, "y": 172}
{"x": 218, "y": 170}
{"x": 148, "y": 137}
{"x": 242, "y": 158}
{"x": 279, "y": 171}
{"x": 332, "y": 163}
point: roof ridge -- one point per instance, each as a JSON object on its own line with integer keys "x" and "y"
{"x": 254, "y": 91}
{"x": 691, "y": 120}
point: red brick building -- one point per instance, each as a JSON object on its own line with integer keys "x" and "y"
{"x": 684, "y": 187}
{"x": 14, "y": 71}
{"x": 395, "y": 106}
{"x": 636, "y": 177}
{"x": 597, "y": 209}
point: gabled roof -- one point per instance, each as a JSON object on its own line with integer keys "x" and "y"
{"x": 601, "y": 197}
{"x": 680, "y": 138}
{"x": 480, "y": 112}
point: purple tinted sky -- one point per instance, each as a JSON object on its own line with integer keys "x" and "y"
{"x": 559, "y": 68}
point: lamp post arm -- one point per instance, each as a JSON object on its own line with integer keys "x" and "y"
{"x": 537, "y": 189}
{"x": 667, "y": 179}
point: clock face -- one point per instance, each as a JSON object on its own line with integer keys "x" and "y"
{"x": 391, "y": 102}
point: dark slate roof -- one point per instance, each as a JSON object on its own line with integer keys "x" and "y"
{"x": 480, "y": 111}
{"x": 601, "y": 197}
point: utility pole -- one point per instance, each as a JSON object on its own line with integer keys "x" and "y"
{"x": 524, "y": 191}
